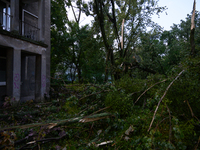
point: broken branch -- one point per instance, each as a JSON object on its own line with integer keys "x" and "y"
{"x": 162, "y": 98}
{"x": 61, "y": 122}
{"x": 149, "y": 89}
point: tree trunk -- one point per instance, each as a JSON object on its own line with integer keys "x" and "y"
{"x": 192, "y": 42}
{"x": 79, "y": 75}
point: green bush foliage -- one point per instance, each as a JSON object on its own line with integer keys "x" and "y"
{"x": 176, "y": 123}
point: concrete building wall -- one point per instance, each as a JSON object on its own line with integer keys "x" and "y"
{"x": 2, "y": 74}
{"x": 31, "y": 7}
{"x": 41, "y": 8}
{"x": 47, "y": 38}
{"x": 28, "y": 70}
{"x": 27, "y": 63}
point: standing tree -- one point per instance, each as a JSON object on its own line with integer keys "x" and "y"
{"x": 76, "y": 50}
{"x": 109, "y": 16}
{"x": 58, "y": 35}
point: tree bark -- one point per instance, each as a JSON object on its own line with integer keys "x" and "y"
{"x": 192, "y": 42}
{"x": 100, "y": 15}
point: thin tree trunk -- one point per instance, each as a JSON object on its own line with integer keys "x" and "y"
{"x": 79, "y": 75}
{"x": 122, "y": 42}
{"x": 192, "y": 42}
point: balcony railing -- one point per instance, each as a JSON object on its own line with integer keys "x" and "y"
{"x": 27, "y": 27}
{"x": 29, "y": 31}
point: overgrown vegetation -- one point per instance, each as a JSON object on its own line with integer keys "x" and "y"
{"x": 83, "y": 116}
{"x": 141, "y": 93}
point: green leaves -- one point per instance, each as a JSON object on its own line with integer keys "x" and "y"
{"x": 88, "y": 54}
{"x": 58, "y": 15}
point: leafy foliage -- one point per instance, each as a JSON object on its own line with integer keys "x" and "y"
{"x": 142, "y": 107}
{"x": 126, "y": 127}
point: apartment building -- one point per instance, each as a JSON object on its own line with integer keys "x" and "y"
{"x": 24, "y": 49}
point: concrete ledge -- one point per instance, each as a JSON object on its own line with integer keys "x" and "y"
{"x": 19, "y": 44}
{"x": 14, "y": 34}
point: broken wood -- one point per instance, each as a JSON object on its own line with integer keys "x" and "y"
{"x": 52, "y": 124}
{"x": 149, "y": 89}
{"x": 163, "y": 97}
{"x": 192, "y": 42}
{"x": 192, "y": 114}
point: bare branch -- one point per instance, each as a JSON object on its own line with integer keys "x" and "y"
{"x": 79, "y": 15}
{"x": 99, "y": 110}
{"x": 190, "y": 108}
{"x": 193, "y": 16}
{"x": 170, "y": 123}
{"x": 197, "y": 144}
{"x": 74, "y": 13}
{"x": 162, "y": 99}
{"x": 192, "y": 111}
{"x": 60, "y": 122}
{"x": 192, "y": 42}
{"x": 122, "y": 34}
{"x": 149, "y": 89}
{"x": 115, "y": 22}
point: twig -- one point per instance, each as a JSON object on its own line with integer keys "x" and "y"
{"x": 162, "y": 98}
{"x": 82, "y": 110}
{"x": 99, "y": 110}
{"x": 170, "y": 122}
{"x": 134, "y": 93}
{"x": 94, "y": 94}
{"x": 42, "y": 141}
{"x": 160, "y": 122}
{"x": 192, "y": 111}
{"x": 38, "y": 146}
{"x": 149, "y": 89}
{"x": 85, "y": 109}
{"x": 190, "y": 108}
{"x": 197, "y": 143}
{"x": 91, "y": 130}
{"x": 24, "y": 147}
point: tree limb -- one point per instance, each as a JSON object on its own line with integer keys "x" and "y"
{"x": 74, "y": 12}
{"x": 115, "y": 22}
{"x": 52, "y": 124}
{"x": 192, "y": 111}
{"x": 42, "y": 141}
{"x": 197, "y": 144}
{"x": 149, "y": 89}
{"x": 170, "y": 122}
{"x": 162, "y": 98}
{"x": 192, "y": 42}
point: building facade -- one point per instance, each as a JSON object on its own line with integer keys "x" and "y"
{"x": 24, "y": 49}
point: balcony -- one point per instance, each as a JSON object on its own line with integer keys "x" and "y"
{"x": 28, "y": 30}
{"x": 28, "y": 26}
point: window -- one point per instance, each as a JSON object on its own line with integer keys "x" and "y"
{"x": 5, "y": 15}
{"x": 2, "y": 71}
{"x": 29, "y": 25}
